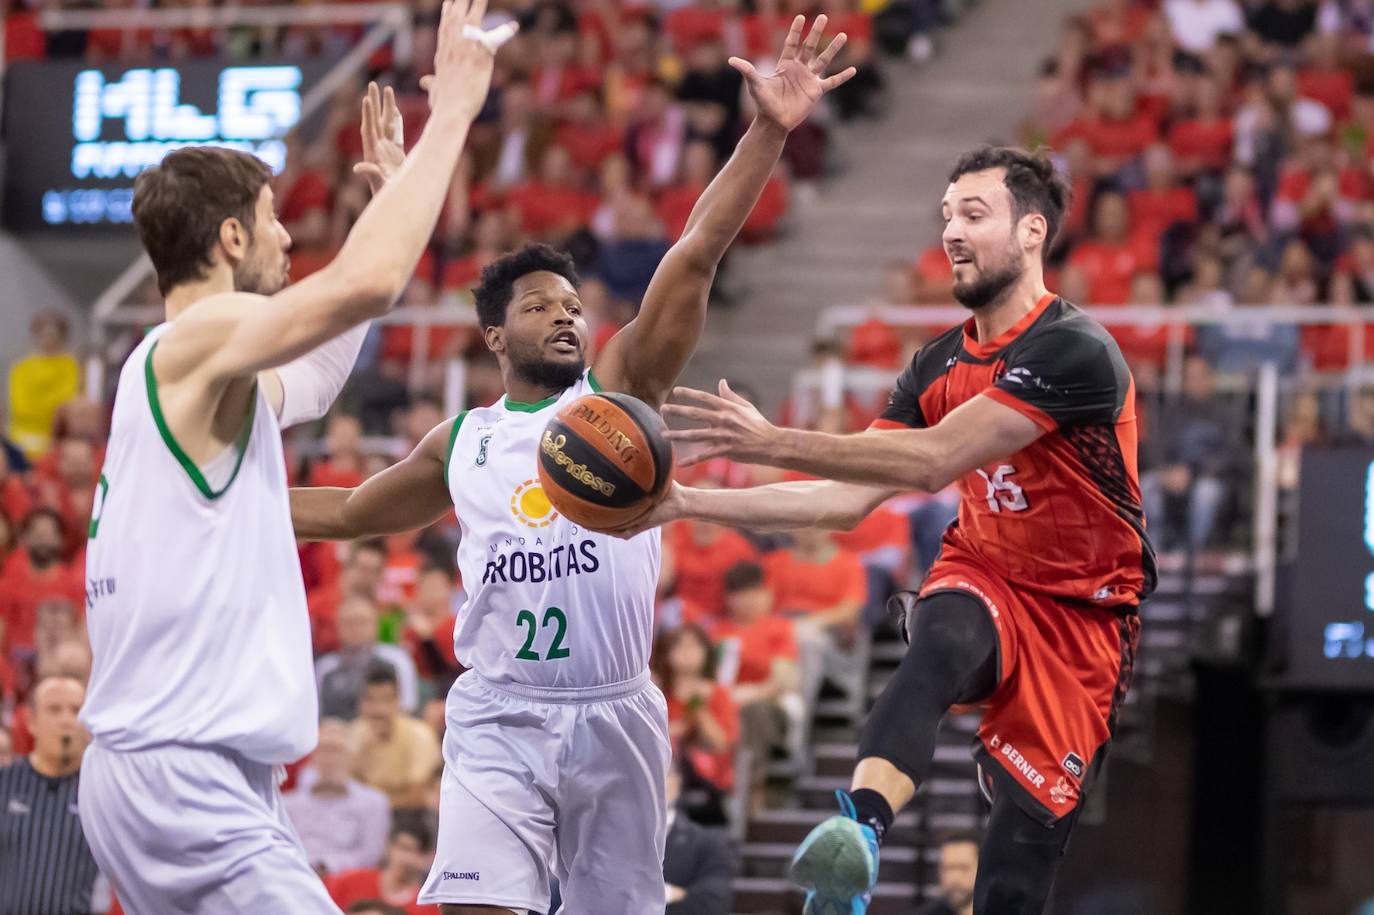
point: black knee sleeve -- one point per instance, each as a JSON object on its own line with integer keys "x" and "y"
{"x": 952, "y": 658}
{"x": 1019, "y": 860}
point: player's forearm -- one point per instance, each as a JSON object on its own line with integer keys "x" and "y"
{"x": 728, "y": 200}
{"x": 906, "y": 459}
{"x": 776, "y": 507}
{"x": 386, "y": 242}
{"x": 320, "y": 513}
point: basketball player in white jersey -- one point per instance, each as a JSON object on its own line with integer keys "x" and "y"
{"x": 557, "y": 743}
{"x": 202, "y": 682}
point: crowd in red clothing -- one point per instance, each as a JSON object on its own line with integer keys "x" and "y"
{"x": 1220, "y": 155}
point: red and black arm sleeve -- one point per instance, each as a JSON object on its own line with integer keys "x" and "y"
{"x": 1070, "y": 374}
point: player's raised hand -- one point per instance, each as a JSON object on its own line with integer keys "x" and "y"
{"x": 384, "y": 145}
{"x": 734, "y": 427}
{"x": 463, "y": 58}
{"x": 799, "y": 79}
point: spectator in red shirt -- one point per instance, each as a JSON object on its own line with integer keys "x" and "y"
{"x": 430, "y": 620}
{"x": 817, "y": 580}
{"x": 37, "y": 573}
{"x": 766, "y": 217}
{"x": 343, "y": 463}
{"x": 1324, "y": 79}
{"x": 1116, "y": 126}
{"x": 587, "y": 133}
{"x": 675, "y": 203}
{"x": 361, "y": 576}
{"x": 550, "y": 208}
{"x": 703, "y": 720}
{"x": 1202, "y": 140}
{"x": 701, "y": 554}
{"x": 1164, "y": 200}
{"x": 1110, "y": 257}
{"x": 759, "y": 649}
{"x": 398, "y": 881}
{"x": 1316, "y": 196}
{"x": 69, "y": 488}
{"x": 15, "y": 499}
{"x": 559, "y": 75}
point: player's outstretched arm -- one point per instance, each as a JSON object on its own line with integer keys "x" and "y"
{"x": 237, "y": 335}
{"x": 976, "y": 433}
{"x": 776, "y": 507}
{"x": 408, "y": 495}
{"x": 645, "y": 358}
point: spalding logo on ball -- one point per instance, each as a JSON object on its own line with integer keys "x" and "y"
{"x": 605, "y": 460}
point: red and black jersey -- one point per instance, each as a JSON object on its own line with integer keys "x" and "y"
{"x": 1063, "y": 516}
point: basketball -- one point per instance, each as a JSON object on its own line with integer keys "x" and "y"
{"x": 605, "y": 460}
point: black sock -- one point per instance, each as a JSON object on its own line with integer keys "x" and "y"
{"x": 873, "y": 810}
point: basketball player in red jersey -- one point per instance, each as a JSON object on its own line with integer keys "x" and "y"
{"x": 1031, "y": 609}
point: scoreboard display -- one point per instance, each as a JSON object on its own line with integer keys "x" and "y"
{"x": 1329, "y": 618}
{"x": 76, "y": 136}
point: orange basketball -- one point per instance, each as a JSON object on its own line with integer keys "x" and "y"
{"x": 605, "y": 460}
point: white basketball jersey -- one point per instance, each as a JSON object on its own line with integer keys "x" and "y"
{"x": 550, "y": 604}
{"x": 194, "y": 599}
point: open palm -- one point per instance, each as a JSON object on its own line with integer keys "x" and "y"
{"x": 786, "y": 97}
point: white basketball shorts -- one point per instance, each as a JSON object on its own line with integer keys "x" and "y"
{"x": 568, "y": 782}
{"x": 195, "y": 830}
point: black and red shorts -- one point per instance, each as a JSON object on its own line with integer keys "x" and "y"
{"x": 1063, "y": 671}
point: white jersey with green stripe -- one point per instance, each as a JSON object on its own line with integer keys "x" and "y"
{"x": 194, "y": 599}
{"x": 550, "y": 603}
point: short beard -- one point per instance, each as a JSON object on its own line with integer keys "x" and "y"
{"x": 988, "y": 287}
{"x": 250, "y": 277}
{"x": 553, "y": 376}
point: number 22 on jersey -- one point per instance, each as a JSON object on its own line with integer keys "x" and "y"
{"x": 556, "y": 651}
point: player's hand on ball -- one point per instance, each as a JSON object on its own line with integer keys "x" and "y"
{"x": 671, "y": 509}
{"x": 464, "y": 58}
{"x": 734, "y": 428}
{"x": 384, "y": 145}
{"x": 786, "y": 97}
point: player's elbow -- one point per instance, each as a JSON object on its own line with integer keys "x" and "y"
{"x": 936, "y": 468}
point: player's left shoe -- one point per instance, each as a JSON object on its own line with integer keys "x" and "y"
{"x": 837, "y": 864}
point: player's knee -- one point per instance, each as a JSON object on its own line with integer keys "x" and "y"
{"x": 954, "y": 642}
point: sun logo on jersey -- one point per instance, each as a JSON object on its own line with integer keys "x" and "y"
{"x": 531, "y": 505}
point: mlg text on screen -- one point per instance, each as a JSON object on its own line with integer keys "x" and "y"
{"x": 124, "y": 122}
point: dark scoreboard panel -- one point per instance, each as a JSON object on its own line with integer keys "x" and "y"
{"x": 1329, "y": 617}
{"x": 76, "y": 136}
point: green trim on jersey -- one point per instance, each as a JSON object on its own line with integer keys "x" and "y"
{"x": 192, "y": 471}
{"x": 452, "y": 440}
{"x": 521, "y": 407}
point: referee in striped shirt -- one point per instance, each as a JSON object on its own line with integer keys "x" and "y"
{"x": 45, "y": 866}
